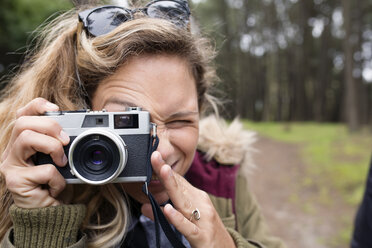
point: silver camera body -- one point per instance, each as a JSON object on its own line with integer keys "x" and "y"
{"x": 105, "y": 147}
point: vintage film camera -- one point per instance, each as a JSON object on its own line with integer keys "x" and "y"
{"x": 105, "y": 147}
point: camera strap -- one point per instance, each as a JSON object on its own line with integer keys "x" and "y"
{"x": 159, "y": 218}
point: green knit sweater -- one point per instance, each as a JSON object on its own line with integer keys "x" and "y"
{"x": 45, "y": 227}
{"x": 59, "y": 227}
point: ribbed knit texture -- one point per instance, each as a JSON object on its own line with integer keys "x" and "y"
{"x": 46, "y": 227}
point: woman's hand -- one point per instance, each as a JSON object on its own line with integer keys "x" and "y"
{"x": 34, "y": 186}
{"x": 209, "y": 230}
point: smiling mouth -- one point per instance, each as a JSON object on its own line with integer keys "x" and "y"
{"x": 156, "y": 178}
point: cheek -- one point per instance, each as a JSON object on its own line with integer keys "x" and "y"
{"x": 186, "y": 142}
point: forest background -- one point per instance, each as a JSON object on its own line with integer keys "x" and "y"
{"x": 279, "y": 60}
{"x": 299, "y": 72}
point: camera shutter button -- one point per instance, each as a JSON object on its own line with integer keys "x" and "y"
{"x": 53, "y": 113}
{"x": 133, "y": 109}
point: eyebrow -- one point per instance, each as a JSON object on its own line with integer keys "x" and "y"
{"x": 183, "y": 114}
{"x": 120, "y": 102}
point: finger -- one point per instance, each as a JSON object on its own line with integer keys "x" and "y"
{"x": 40, "y": 124}
{"x": 177, "y": 188}
{"x": 37, "y": 106}
{"x": 43, "y": 125}
{"x": 49, "y": 175}
{"x": 183, "y": 225}
{"x": 30, "y": 142}
{"x": 24, "y": 184}
{"x": 157, "y": 162}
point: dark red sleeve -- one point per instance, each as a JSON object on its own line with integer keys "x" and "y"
{"x": 212, "y": 177}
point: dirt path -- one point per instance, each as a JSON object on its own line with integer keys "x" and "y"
{"x": 278, "y": 185}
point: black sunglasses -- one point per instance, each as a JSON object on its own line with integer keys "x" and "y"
{"x": 101, "y": 20}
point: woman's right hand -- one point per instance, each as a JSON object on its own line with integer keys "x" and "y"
{"x": 34, "y": 186}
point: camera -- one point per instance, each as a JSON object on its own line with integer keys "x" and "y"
{"x": 105, "y": 147}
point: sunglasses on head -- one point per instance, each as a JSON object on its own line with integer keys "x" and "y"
{"x": 102, "y": 20}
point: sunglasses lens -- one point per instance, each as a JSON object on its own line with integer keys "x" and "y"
{"x": 103, "y": 20}
{"x": 169, "y": 10}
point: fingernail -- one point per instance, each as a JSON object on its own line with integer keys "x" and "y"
{"x": 51, "y": 106}
{"x": 64, "y": 159}
{"x": 159, "y": 157}
{"x": 170, "y": 208}
{"x": 65, "y": 138}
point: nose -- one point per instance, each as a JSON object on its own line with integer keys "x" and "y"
{"x": 165, "y": 146}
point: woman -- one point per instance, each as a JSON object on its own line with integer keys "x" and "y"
{"x": 112, "y": 58}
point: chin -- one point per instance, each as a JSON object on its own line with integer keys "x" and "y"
{"x": 161, "y": 198}
{"x": 135, "y": 191}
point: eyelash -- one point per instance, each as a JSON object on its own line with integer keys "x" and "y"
{"x": 180, "y": 122}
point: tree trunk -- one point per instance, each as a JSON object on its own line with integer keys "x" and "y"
{"x": 351, "y": 104}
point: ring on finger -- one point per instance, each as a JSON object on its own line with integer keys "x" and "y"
{"x": 195, "y": 214}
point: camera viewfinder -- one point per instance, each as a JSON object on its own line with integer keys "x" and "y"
{"x": 126, "y": 121}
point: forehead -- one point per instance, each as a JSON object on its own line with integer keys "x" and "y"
{"x": 158, "y": 82}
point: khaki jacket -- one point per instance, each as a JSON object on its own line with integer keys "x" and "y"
{"x": 231, "y": 146}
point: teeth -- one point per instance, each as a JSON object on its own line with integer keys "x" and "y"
{"x": 154, "y": 177}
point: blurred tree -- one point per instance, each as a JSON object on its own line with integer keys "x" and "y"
{"x": 282, "y": 60}
{"x": 291, "y": 60}
{"x": 18, "y": 19}
{"x": 351, "y": 86}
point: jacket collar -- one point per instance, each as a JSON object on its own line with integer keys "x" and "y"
{"x": 228, "y": 144}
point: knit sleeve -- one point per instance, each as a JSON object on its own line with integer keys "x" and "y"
{"x": 46, "y": 227}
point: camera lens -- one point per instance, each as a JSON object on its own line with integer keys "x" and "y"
{"x": 97, "y": 156}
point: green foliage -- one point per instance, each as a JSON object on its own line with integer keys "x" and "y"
{"x": 22, "y": 16}
{"x": 336, "y": 165}
{"x": 19, "y": 18}
{"x": 334, "y": 156}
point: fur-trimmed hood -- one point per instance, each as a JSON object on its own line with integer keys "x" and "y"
{"x": 228, "y": 144}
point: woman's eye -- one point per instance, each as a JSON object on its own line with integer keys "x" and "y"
{"x": 179, "y": 123}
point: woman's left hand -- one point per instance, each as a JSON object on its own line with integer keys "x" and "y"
{"x": 208, "y": 231}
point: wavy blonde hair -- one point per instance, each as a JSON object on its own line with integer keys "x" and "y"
{"x": 50, "y": 72}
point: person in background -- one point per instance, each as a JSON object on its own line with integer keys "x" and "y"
{"x": 112, "y": 58}
{"x": 363, "y": 220}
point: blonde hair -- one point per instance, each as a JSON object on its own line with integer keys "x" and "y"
{"x": 51, "y": 72}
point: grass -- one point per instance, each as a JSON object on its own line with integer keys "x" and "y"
{"x": 337, "y": 161}
{"x": 334, "y": 155}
